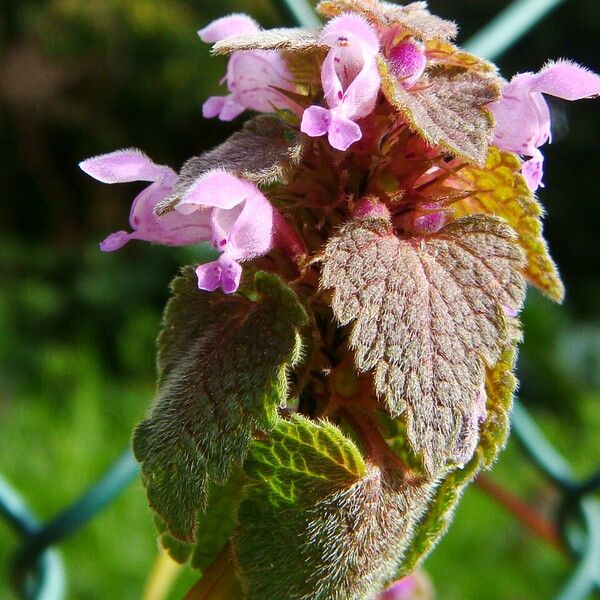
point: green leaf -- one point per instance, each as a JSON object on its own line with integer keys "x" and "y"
{"x": 215, "y": 525}
{"x": 427, "y": 318}
{"x": 500, "y": 386}
{"x": 223, "y": 364}
{"x": 500, "y": 189}
{"x": 321, "y": 523}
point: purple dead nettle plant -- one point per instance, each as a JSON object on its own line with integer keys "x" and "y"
{"x": 329, "y": 385}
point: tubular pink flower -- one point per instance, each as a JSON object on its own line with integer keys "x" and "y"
{"x": 241, "y": 221}
{"x": 350, "y": 80}
{"x": 172, "y": 229}
{"x": 252, "y": 76}
{"x": 522, "y": 115}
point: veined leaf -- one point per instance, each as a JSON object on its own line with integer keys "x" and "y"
{"x": 500, "y": 387}
{"x": 448, "y": 109}
{"x": 284, "y": 39}
{"x": 320, "y": 523}
{"x": 428, "y": 317}
{"x": 222, "y": 362}
{"x": 502, "y": 191}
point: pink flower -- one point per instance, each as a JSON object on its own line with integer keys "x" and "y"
{"x": 415, "y": 586}
{"x": 171, "y": 229}
{"x": 252, "y": 76}
{"x": 241, "y": 221}
{"x": 350, "y": 80}
{"x": 522, "y": 115}
{"x": 407, "y": 61}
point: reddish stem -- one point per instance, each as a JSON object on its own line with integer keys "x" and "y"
{"x": 525, "y": 514}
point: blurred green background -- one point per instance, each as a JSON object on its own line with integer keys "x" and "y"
{"x": 77, "y": 327}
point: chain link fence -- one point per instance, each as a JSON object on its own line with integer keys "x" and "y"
{"x": 37, "y": 569}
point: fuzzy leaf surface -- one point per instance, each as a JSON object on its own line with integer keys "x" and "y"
{"x": 501, "y": 190}
{"x": 215, "y": 525}
{"x": 285, "y": 39}
{"x": 500, "y": 387}
{"x": 263, "y": 152}
{"x": 427, "y": 316}
{"x": 222, "y": 372}
{"x": 446, "y": 54}
{"x": 320, "y": 523}
{"x": 448, "y": 109}
{"x": 414, "y": 18}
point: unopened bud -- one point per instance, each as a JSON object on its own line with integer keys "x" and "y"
{"x": 407, "y": 62}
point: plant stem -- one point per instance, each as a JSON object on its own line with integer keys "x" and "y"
{"x": 524, "y": 513}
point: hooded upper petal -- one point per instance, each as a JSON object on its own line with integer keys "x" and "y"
{"x": 216, "y": 189}
{"x": 347, "y": 26}
{"x": 241, "y": 217}
{"x": 123, "y": 166}
{"x": 235, "y": 24}
{"x": 567, "y": 80}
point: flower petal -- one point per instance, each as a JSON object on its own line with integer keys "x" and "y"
{"x": 315, "y": 121}
{"x": 533, "y": 171}
{"x": 115, "y": 241}
{"x": 223, "y": 272}
{"x": 350, "y": 25}
{"x": 231, "y": 108}
{"x": 567, "y": 80}
{"x": 235, "y": 24}
{"x": 343, "y": 132}
{"x": 123, "y": 166}
{"x": 213, "y": 106}
{"x": 252, "y": 232}
{"x": 522, "y": 117}
{"x": 217, "y": 189}
{"x": 252, "y": 77}
{"x": 361, "y": 95}
{"x": 349, "y": 74}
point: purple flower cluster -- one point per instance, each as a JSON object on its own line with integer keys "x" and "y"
{"x": 233, "y": 214}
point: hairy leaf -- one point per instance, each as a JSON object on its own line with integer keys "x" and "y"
{"x": 501, "y": 190}
{"x": 414, "y": 17}
{"x": 428, "y": 318}
{"x": 215, "y": 525}
{"x": 447, "y": 54}
{"x": 500, "y": 386}
{"x": 320, "y": 523}
{"x": 215, "y": 390}
{"x": 283, "y": 39}
{"x": 449, "y": 108}
{"x": 263, "y": 152}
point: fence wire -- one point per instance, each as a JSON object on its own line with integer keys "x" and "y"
{"x": 37, "y": 569}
